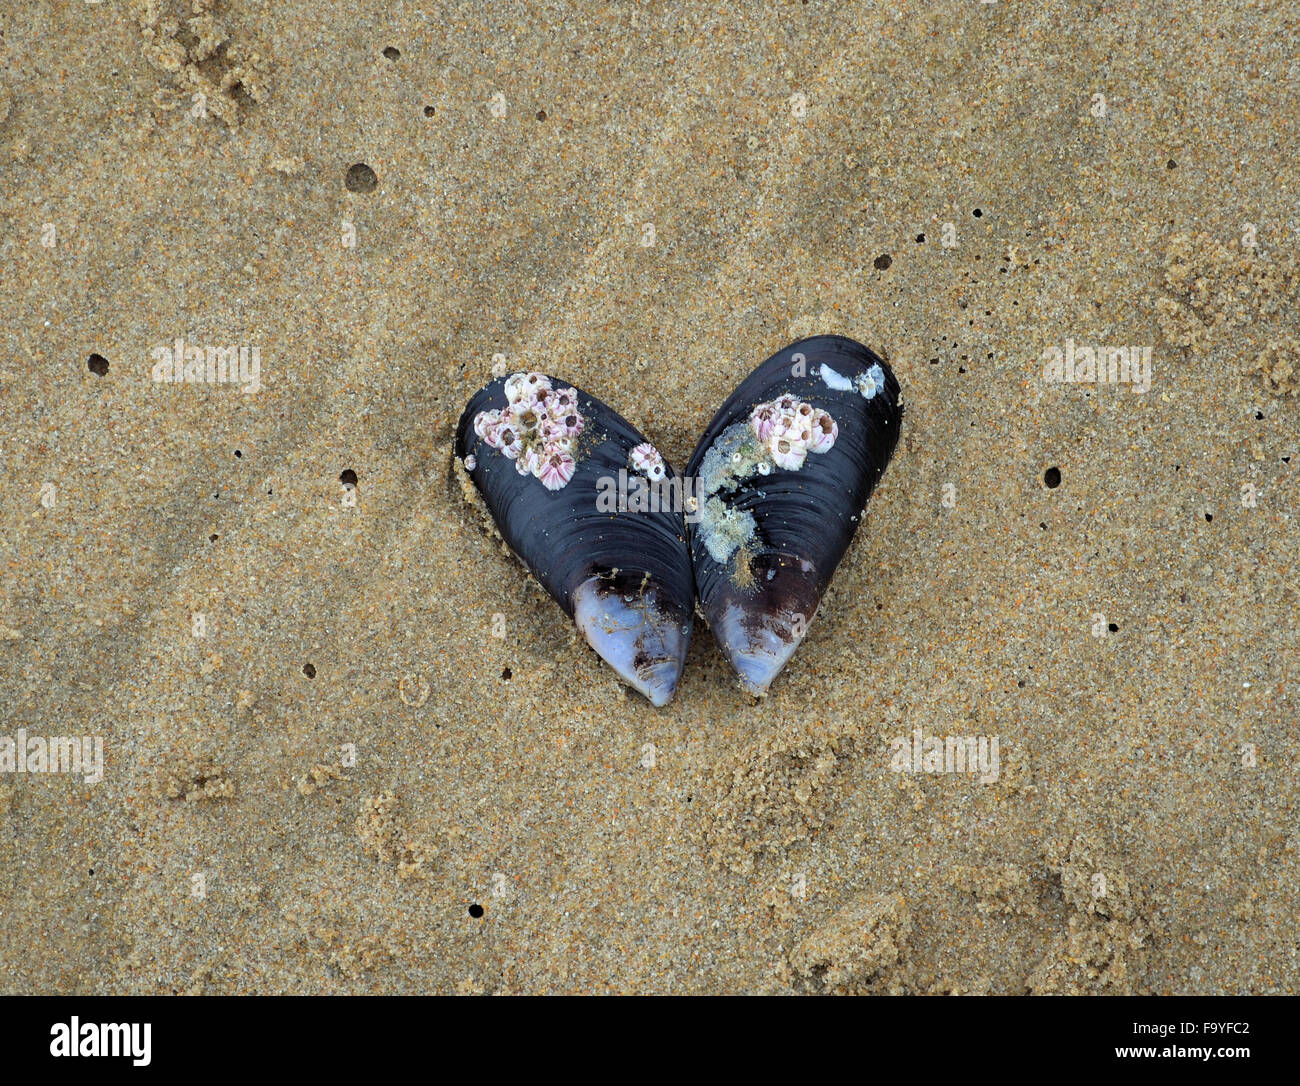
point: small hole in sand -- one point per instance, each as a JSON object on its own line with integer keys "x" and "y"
{"x": 309, "y": 670}
{"x": 97, "y": 364}
{"x": 361, "y": 178}
{"x": 1052, "y": 477}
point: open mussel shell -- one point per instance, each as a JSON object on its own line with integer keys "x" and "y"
{"x": 781, "y": 478}
{"x": 549, "y": 462}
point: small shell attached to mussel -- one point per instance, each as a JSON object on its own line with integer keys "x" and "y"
{"x": 549, "y": 461}
{"x": 782, "y": 475}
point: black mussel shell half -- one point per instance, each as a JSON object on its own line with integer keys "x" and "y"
{"x": 780, "y": 481}
{"x": 594, "y": 511}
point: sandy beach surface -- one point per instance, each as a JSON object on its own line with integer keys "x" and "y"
{"x": 349, "y": 746}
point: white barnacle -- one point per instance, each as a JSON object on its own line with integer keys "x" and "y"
{"x": 824, "y": 432}
{"x": 646, "y": 460}
{"x": 834, "y": 380}
{"x": 871, "y": 382}
{"x": 789, "y": 455}
{"x": 515, "y": 387}
{"x": 868, "y": 384}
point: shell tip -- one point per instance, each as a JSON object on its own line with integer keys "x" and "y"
{"x": 758, "y": 664}
{"x": 759, "y": 630}
{"x": 644, "y": 643}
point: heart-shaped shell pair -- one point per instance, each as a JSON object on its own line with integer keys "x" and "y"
{"x": 772, "y": 497}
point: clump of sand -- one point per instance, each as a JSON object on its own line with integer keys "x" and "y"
{"x": 1238, "y": 300}
{"x": 999, "y": 889}
{"x": 765, "y": 799}
{"x": 320, "y": 776}
{"x": 384, "y": 836}
{"x": 1109, "y": 932}
{"x": 201, "y": 60}
{"x": 854, "y": 952}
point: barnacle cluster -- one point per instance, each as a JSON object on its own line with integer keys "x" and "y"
{"x": 779, "y": 433}
{"x": 790, "y": 429}
{"x": 538, "y": 429}
{"x": 645, "y": 460}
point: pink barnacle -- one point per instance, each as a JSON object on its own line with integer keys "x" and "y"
{"x": 565, "y": 398}
{"x": 646, "y": 460}
{"x": 541, "y": 400}
{"x": 763, "y": 421}
{"x": 789, "y": 454}
{"x": 824, "y": 433}
{"x": 529, "y": 462}
{"x": 557, "y": 469}
{"x": 553, "y": 430}
{"x": 484, "y": 421}
{"x": 515, "y": 388}
{"x": 508, "y": 439}
{"x": 536, "y": 383}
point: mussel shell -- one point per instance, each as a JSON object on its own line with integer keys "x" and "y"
{"x": 759, "y": 600}
{"x": 624, "y": 577}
